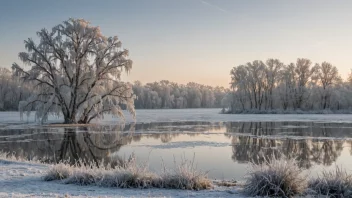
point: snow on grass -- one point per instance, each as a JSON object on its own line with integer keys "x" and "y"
{"x": 131, "y": 175}
{"x": 277, "y": 177}
{"x": 186, "y": 176}
{"x": 20, "y": 178}
{"x": 280, "y": 178}
{"x": 58, "y": 172}
{"x": 336, "y": 183}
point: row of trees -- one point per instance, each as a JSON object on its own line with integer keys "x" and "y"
{"x": 157, "y": 95}
{"x": 75, "y": 71}
{"x": 165, "y": 94}
{"x": 272, "y": 85}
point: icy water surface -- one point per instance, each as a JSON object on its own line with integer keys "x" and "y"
{"x": 222, "y": 148}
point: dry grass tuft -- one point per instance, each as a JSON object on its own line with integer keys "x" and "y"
{"x": 185, "y": 176}
{"x": 277, "y": 177}
{"x": 130, "y": 175}
{"x": 58, "y": 172}
{"x": 335, "y": 183}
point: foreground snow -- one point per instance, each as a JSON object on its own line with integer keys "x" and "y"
{"x": 24, "y": 179}
{"x": 179, "y": 115}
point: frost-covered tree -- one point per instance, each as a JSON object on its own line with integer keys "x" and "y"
{"x": 5, "y": 87}
{"x": 256, "y": 71}
{"x": 258, "y": 87}
{"x": 272, "y": 71}
{"x": 76, "y": 72}
{"x": 303, "y": 73}
{"x": 249, "y": 81}
{"x": 286, "y": 85}
{"x": 11, "y": 90}
{"x": 327, "y": 75}
{"x": 168, "y": 95}
{"x": 240, "y": 86}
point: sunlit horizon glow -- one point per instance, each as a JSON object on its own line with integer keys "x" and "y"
{"x": 195, "y": 40}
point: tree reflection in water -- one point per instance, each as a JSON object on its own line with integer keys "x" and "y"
{"x": 264, "y": 140}
{"x": 86, "y": 146}
{"x": 72, "y": 145}
{"x": 309, "y": 143}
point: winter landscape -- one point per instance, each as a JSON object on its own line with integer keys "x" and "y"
{"x": 221, "y": 145}
{"x": 198, "y": 98}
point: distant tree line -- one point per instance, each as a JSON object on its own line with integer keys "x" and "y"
{"x": 256, "y": 87}
{"x": 170, "y": 95}
{"x": 157, "y": 95}
{"x": 272, "y": 85}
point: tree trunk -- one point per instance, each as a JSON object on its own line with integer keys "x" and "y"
{"x": 70, "y": 119}
{"x": 83, "y": 120}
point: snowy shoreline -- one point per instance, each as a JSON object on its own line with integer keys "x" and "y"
{"x": 20, "y": 178}
{"x": 179, "y": 115}
{"x": 25, "y": 179}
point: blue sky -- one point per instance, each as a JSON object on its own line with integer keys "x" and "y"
{"x": 194, "y": 40}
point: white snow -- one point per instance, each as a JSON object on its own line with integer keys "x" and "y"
{"x": 24, "y": 179}
{"x": 8, "y": 119}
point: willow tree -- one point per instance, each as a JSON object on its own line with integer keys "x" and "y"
{"x": 76, "y": 72}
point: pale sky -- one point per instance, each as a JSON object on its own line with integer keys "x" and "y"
{"x": 194, "y": 40}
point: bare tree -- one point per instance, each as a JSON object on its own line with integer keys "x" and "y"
{"x": 240, "y": 85}
{"x": 328, "y": 76}
{"x": 303, "y": 72}
{"x": 286, "y": 85}
{"x": 273, "y": 67}
{"x": 295, "y": 86}
{"x": 76, "y": 72}
{"x": 5, "y": 77}
{"x": 256, "y": 74}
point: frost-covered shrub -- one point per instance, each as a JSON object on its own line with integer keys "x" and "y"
{"x": 336, "y": 183}
{"x": 58, "y": 172}
{"x": 185, "y": 176}
{"x": 3, "y": 155}
{"x": 276, "y": 177}
{"x": 130, "y": 175}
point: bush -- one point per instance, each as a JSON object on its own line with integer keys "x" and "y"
{"x": 277, "y": 177}
{"x": 185, "y": 176}
{"x": 58, "y": 172}
{"x": 335, "y": 183}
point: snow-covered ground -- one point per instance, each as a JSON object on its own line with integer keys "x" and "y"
{"x": 172, "y": 115}
{"x": 24, "y": 179}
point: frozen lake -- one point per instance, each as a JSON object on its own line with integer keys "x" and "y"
{"x": 221, "y": 144}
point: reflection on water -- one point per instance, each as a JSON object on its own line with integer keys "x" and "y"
{"x": 231, "y": 145}
{"x": 307, "y": 152}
